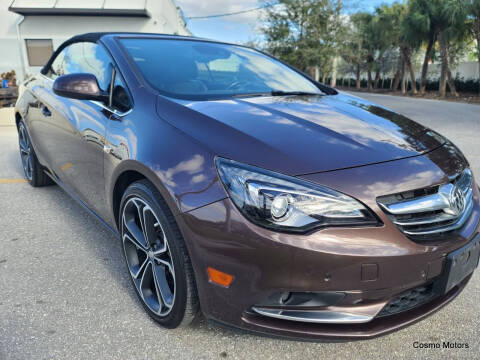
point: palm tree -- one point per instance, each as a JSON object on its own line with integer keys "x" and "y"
{"x": 442, "y": 21}
{"x": 352, "y": 52}
{"x": 473, "y": 13}
{"x": 451, "y": 20}
{"x": 420, "y": 27}
{"x": 364, "y": 33}
{"x": 393, "y": 20}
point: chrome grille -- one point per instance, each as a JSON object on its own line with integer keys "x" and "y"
{"x": 434, "y": 210}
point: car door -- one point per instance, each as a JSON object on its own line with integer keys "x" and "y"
{"x": 71, "y": 132}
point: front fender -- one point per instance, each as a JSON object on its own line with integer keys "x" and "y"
{"x": 180, "y": 168}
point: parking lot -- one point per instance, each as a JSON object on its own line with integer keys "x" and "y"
{"x": 65, "y": 291}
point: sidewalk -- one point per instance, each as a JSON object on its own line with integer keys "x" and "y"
{"x": 6, "y": 117}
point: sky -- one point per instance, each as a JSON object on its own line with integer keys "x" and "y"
{"x": 242, "y": 27}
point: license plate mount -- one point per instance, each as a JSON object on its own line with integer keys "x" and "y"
{"x": 459, "y": 264}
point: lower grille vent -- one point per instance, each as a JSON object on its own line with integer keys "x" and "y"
{"x": 408, "y": 300}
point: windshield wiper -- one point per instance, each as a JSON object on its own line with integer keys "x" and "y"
{"x": 250, "y": 94}
{"x": 284, "y": 93}
{"x": 276, "y": 93}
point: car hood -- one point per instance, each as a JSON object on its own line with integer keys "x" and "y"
{"x": 299, "y": 135}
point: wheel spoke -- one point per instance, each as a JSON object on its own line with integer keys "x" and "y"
{"x": 127, "y": 237}
{"x": 25, "y": 151}
{"x": 133, "y": 234}
{"x": 130, "y": 218}
{"x": 24, "y": 159}
{"x": 25, "y": 139}
{"x": 165, "y": 263}
{"x": 140, "y": 213}
{"x": 140, "y": 269}
{"x": 162, "y": 285}
{"x": 148, "y": 289}
{"x": 21, "y": 140}
{"x": 21, "y": 133}
{"x": 136, "y": 256}
{"x": 149, "y": 221}
{"x": 161, "y": 301}
{"x": 148, "y": 256}
{"x": 161, "y": 250}
{"x": 30, "y": 165}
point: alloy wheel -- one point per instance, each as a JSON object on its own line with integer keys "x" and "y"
{"x": 25, "y": 151}
{"x": 148, "y": 256}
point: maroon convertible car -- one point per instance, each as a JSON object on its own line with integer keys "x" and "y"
{"x": 239, "y": 186}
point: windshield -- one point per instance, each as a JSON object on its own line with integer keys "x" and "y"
{"x": 201, "y": 70}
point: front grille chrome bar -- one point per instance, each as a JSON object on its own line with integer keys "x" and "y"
{"x": 427, "y": 203}
{"x": 443, "y": 229}
{"x": 432, "y": 211}
{"x": 442, "y": 217}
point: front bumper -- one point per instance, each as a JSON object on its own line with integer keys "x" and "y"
{"x": 376, "y": 327}
{"x": 370, "y": 266}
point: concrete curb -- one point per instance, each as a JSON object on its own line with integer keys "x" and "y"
{"x": 7, "y": 117}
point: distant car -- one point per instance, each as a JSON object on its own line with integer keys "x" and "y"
{"x": 240, "y": 186}
{"x": 8, "y": 96}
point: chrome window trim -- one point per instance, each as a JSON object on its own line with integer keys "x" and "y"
{"x": 113, "y": 111}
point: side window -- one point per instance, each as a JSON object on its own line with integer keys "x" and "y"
{"x": 84, "y": 57}
{"x": 58, "y": 66}
{"x": 120, "y": 98}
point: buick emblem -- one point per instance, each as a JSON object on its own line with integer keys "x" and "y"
{"x": 456, "y": 201}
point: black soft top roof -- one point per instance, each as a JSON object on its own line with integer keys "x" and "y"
{"x": 94, "y": 37}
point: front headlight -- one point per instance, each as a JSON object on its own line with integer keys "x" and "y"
{"x": 288, "y": 204}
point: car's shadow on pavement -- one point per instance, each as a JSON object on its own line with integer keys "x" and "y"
{"x": 104, "y": 245}
{"x": 106, "y": 248}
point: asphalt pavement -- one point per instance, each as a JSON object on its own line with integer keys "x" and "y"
{"x": 65, "y": 292}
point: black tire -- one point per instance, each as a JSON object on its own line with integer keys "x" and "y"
{"x": 147, "y": 199}
{"x": 33, "y": 170}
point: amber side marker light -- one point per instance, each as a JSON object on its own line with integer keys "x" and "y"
{"x": 218, "y": 277}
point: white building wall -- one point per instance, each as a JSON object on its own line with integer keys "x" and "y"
{"x": 164, "y": 18}
{"x": 466, "y": 70}
{"x": 9, "y": 48}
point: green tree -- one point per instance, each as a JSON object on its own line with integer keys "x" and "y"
{"x": 442, "y": 21}
{"x": 370, "y": 40}
{"x": 452, "y": 29}
{"x": 394, "y": 25}
{"x": 352, "y": 52}
{"x": 302, "y": 32}
{"x": 473, "y": 15}
{"x": 420, "y": 27}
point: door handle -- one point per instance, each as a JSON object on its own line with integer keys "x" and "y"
{"x": 46, "y": 112}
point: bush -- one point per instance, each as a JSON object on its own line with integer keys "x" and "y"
{"x": 470, "y": 85}
{"x": 462, "y": 85}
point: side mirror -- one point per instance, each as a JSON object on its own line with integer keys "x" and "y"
{"x": 80, "y": 86}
